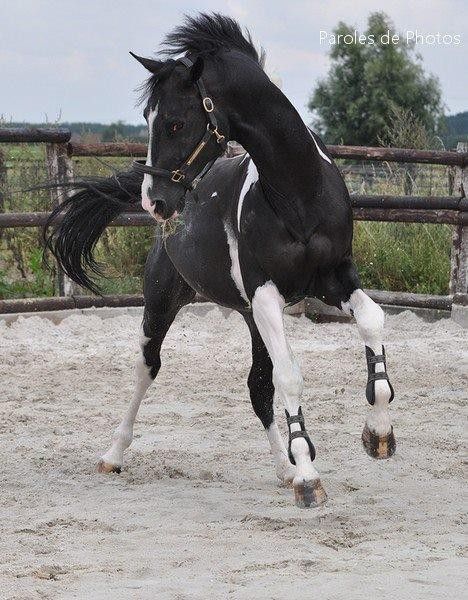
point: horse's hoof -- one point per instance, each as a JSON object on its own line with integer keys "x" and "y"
{"x": 378, "y": 446}
{"x": 104, "y": 467}
{"x": 309, "y": 494}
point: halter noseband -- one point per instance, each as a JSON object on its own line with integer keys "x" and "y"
{"x": 180, "y": 175}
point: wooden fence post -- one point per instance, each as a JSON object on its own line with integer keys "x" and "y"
{"x": 459, "y": 257}
{"x": 3, "y": 173}
{"x": 60, "y": 170}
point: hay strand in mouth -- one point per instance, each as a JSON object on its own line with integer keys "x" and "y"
{"x": 171, "y": 226}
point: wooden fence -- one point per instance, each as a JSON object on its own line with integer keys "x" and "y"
{"x": 452, "y": 210}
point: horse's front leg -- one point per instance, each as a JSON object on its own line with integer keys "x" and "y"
{"x": 267, "y": 309}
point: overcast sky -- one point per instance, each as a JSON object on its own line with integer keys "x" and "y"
{"x": 70, "y": 57}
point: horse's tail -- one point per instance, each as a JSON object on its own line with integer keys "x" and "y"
{"x": 75, "y": 226}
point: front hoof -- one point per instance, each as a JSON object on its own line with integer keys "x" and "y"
{"x": 378, "y": 446}
{"x": 105, "y": 467}
{"x": 309, "y": 494}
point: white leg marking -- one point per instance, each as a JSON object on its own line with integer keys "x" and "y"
{"x": 284, "y": 469}
{"x": 148, "y": 179}
{"x": 123, "y": 435}
{"x": 370, "y": 320}
{"x": 267, "y": 308}
{"x": 250, "y": 179}
{"x": 235, "y": 265}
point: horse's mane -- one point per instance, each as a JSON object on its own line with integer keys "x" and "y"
{"x": 202, "y": 35}
{"x": 206, "y": 34}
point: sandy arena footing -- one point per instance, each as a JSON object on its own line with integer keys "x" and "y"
{"x": 196, "y": 512}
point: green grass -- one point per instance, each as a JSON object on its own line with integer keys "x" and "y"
{"x": 391, "y": 256}
{"x": 410, "y": 257}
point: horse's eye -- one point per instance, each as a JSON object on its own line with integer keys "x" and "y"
{"x": 176, "y": 126}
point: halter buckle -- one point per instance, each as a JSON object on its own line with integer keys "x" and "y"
{"x": 219, "y": 136}
{"x": 208, "y": 104}
{"x": 177, "y": 176}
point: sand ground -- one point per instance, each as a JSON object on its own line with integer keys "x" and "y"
{"x": 197, "y": 512}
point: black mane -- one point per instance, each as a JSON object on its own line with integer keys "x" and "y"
{"x": 202, "y": 35}
{"x": 206, "y": 34}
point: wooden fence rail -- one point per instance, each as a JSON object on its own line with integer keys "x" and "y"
{"x": 124, "y": 300}
{"x": 19, "y": 135}
{"x": 138, "y": 218}
{"x": 452, "y": 210}
{"x": 401, "y": 155}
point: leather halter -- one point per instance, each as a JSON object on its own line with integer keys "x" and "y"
{"x": 180, "y": 175}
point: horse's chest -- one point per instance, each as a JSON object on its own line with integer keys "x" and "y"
{"x": 205, "y": 253}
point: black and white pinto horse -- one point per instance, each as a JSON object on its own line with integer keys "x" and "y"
{"x": 259, "y": 231}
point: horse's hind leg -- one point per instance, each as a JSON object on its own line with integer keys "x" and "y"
{"x": 267, "y": 310}
{"x": 262, "y": 391}
{"x": 343, "y": 289}
{"x": 165, "y": 293}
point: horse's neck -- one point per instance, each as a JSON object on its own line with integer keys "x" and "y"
{"x": 279, "y": 143}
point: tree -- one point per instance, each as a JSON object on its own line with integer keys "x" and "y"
{"x": 367, "y": 82}
{"x": 114, "y": 132}
{"x": 455, "y": 129}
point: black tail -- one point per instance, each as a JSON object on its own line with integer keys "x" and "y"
{"x": 74, "y": 227}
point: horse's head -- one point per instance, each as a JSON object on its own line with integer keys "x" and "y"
{"x": 186, "y": 134}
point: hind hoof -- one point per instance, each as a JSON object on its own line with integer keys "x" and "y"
{"x": 104, "y": 467}
{"x": 378, "y": 446}
{"x": 309, "y": 494}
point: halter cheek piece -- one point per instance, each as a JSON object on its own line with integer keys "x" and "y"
{"x": 299, "y": 418}
{"x": 372, "y": 376}
{"x": 180, "y": 175}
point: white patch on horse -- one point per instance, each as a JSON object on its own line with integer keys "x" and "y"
{"x": 148, "y": 179}
{"x": 319, "y": 150}
{"x": 214, "y": 194}
{"x": 370, "y": 320}
{"x": 235, "y": 265}
{"x": 250, "y": 179}
{"x": 267, "y": 309}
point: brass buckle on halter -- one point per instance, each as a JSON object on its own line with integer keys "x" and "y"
{"x": 219, "y": 136}
{"x": 177, "y": 176}
{"x": 208, "y": 104}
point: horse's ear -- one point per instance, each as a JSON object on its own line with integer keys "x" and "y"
{"x": 197, "y": 69}
{"x": 153, "y": 66}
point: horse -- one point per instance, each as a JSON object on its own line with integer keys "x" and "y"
{"x": 254, "y": 233}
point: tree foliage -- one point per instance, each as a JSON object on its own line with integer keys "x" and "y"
{"x": 366, "y": 82}
{"x": 114, "y": 132}
{"x": 455, "y": 129}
